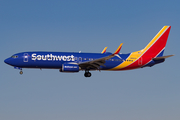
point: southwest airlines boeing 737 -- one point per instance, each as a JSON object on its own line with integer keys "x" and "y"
{"x": 74, "y": 62}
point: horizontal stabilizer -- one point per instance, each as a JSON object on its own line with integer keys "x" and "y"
{"x": 163, "y": 57}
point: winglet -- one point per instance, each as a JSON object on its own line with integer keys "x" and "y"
{"x": 104, "y": 50}
{"x": 118, "y": 49}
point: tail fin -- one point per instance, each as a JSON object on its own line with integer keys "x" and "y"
{"x": 157, "y": 45}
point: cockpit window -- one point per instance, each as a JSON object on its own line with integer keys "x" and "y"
{"x": 14, "y": 56}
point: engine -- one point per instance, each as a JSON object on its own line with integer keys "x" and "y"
{"x": 69, "y": 68}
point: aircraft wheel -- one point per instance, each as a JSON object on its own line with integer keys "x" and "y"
{"x": 87, "y": 74}
{"x": 21, "y": 72}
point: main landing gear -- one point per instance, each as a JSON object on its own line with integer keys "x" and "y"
{"x": 87, "y": 73}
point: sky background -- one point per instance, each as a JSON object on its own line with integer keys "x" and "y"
{"x": 88, "y": 26}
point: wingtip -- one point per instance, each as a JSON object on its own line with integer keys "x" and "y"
{"x": 118, "y": 49}
{"x": 104, "y": 50}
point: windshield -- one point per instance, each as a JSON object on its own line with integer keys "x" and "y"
{"x": 14, "y": 56}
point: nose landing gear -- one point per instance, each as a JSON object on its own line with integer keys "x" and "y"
{"x": 21, "y": 72}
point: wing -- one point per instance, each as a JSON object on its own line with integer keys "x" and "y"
{"x": 95, "y": 64}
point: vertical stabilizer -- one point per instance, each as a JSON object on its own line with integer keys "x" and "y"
{"x": 157, "y": 45}
{"x": 154, "y": 49}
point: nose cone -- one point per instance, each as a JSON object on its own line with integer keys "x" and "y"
{"x": 7, "y": 61}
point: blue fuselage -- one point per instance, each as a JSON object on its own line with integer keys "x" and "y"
{"x": 55, "y": 60}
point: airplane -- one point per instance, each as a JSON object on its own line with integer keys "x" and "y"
{"x": 71, "y": 62}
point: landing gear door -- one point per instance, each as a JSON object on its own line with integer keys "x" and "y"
{"x": 25, "y": 57}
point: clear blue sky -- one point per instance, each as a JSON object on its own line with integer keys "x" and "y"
{"x": 88, "y": 26}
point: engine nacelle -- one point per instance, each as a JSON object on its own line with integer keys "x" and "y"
{"x": 70, "y": 68}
